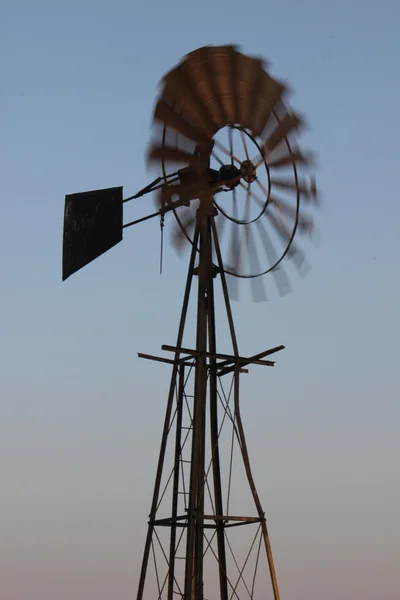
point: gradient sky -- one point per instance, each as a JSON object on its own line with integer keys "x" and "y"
{"x": 80, "y": 414}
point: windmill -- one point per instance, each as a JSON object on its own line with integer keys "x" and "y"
{"x": 239, "y": 190}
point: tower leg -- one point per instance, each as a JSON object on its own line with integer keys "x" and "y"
{"x": 195, "y": 533}
{"x": 214, "y": 435}
{"x": 177, "y": 458}
{"x": 167, "y": 421}
{"x": 238, "y": 419}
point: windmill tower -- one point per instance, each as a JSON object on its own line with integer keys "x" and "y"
{"x": 235, "y": 183}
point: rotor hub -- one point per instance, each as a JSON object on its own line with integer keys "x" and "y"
{"x": 230, "y": 175}
{"x": 248, "y": 171}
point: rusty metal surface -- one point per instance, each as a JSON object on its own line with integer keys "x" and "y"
{"x": 92, "y": 225}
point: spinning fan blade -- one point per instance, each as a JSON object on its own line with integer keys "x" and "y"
{"x": 215, "y": 62}
{"x": 173, "y": 155}
{"x": 226, "y": 80}
{"x": 92, "y": 225}
{"x": 233, "y": 106}
{"x": 217, "y": 85}
{"x": 232, "y": 285}
{"x": 235, "y": 246}
{"x": 258, "y": 290}
{"x": 288, "y": 123}
{"x": 291, "y": 185}
{"x": 268, "y": 93}
{"x": 294, "y": 252}
{"x": 234, "y": 75}
{"x": 248, "y": 80}
{"x": 289, "y": 159}
{"x": 304, "y": 222}
{"x": 313, "y": 189}
{"x": 180, "y": 86}
{"x": 234, "y": 251}
{"x": 220, "y": 222}
{"x": 166, "y": 114}
{"x": 279, "y": 275}
{"x": 185, "y": 226}
{"x": 254, "y": 98}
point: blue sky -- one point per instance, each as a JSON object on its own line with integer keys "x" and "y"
{"x": 80, "y": 414}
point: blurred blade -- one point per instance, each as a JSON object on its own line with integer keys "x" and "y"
{"x": 280, "y": 277}
{"x": 92, "y": 225}
{"x": 166, "y": 114}
{"x": 269, "y": 92}
{"x": 230, "y": 138}
{"x": 261, "y": 202}
{"x": 217, "y": 79}
{"x": 227, "y": 152}
{"x": 258, "y": 290}
{"x": 199, "y": 64}
{"x": 254, "y": 98}
{"x": 235, "y": 254}
{"x": 281, "y": 131}
{"x": 246, "y": 228}
{"x": 294, "y": 252}
{"x": 289, "y": 159}
{"x": 304, "y": 223}
{"x": 248, "y": 83}
{"x": 233, "y": 286}
{"x": 313, "y": 190}
{"x": 234, "y": 251}
{"x": 233, "y": 108}
{"x": 220, "y": 222}
{"x": 248, "y": 202}
{"x": 225, "y": 64}
{"x": 186, "y": 225}
{"x": 173, "y": 155}
{"x": 180, "y": 86}
{"x": 244, "y": 142}
{"x": 290, "y": 184}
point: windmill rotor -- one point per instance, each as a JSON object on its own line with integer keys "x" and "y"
{"x": 226, "y": 128}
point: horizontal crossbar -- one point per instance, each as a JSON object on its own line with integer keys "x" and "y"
{"x": 227, "y": 358}
{"x": 180, "y": 521}
{"x": 170, "y": 361}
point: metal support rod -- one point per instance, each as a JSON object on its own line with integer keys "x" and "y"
{"x": 232, "y": 518}
{"x": 169, "y": 361}
{"x": 172, "y": 548}
{"x": 253, "y": 487}
{"x": 153, "y": 186}
{"x": 225, "y": 289}
{"x": 234, "y": 359}
{"x": 167, "y": 420}
{"x": 214, "y": 434}
{"x": 239, "y": 421}
{"x": 160, "y": 212}
{"x": 194, "y": 542}
{"x": 258, "y": 356}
